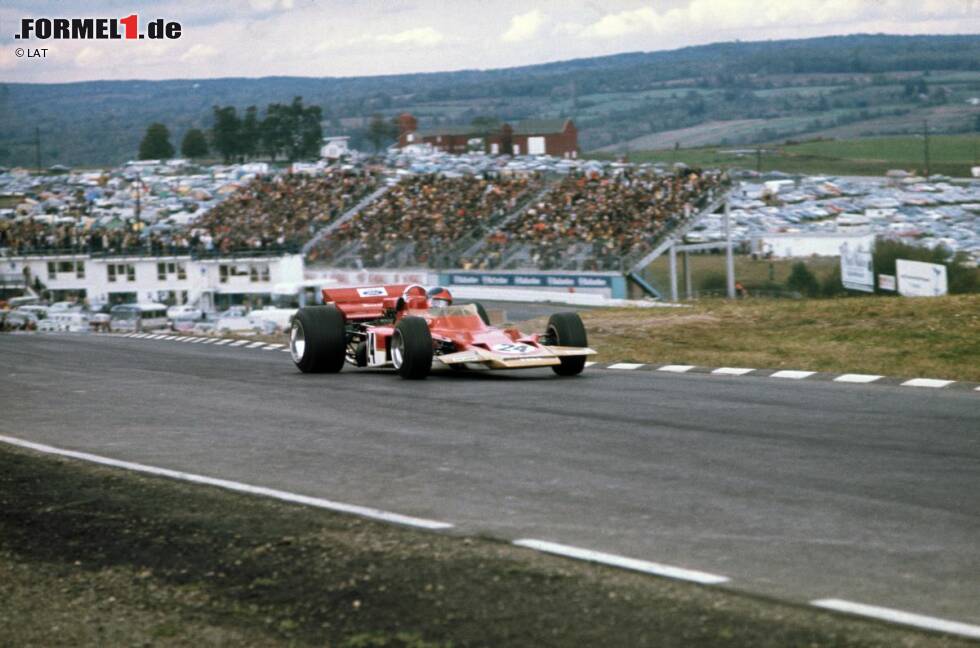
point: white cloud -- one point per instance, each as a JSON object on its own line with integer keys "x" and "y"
{"x": 625, "y": 22}
{"x": 421, "y": 36}
{"x": 524, "y": 26}
{"x": 89, "y": 56}
{"x": 269, "y": 5}
{"x": 707, "y": 16}
{"x": 198, "y": 54}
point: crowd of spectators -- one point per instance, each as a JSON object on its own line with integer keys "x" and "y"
{"x": 586, "y": 221}
{"x": 593, "y": 222}
{"x": 423, "y": 218}
{"x": 282, "y": 211}
{"x": 268, "y": 214}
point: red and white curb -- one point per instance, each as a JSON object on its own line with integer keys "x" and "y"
{"x": 790, "y": 374}
{"x": 216, "y": 341}
{"x": 698, "y": 577}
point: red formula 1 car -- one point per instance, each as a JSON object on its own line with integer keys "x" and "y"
{"x": 407, "y": 326}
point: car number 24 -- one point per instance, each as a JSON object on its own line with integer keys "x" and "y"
{"x": 513, "y": 348}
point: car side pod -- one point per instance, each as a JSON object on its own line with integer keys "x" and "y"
{"x": 318, "y": 339}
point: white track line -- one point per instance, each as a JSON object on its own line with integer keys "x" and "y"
{"x": 285, "y": 496}
{"x": 898, "y": 616}
{"x": 199, "y": 340}
{"x": 255, "y": 345}
{"x": 792, "y": 374}
{"x": 210, "y": 340}
{"x": 589, "y": 364}
{"x": 170, "y": 337}
{"x": 239, "y": 343}
{"x": 223, "y": 341}
{"x": 270, "y": 347}
{"x": 625, "y": 365}
{"x": 732, "y": 371}
{"x": 927, "y": 382}
{"x": 621, "y": 561}
{"x": 676, "y": 368}
{"x": 857, "y": 378}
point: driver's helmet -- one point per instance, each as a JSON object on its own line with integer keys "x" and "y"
{"x": 439, "y": 297}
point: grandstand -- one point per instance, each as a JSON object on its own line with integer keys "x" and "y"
{"x": 593, "y": 219}
{"x": 591, "y": 222}
{"x": 424, "y": 221}
{"x": 266, "y": 215}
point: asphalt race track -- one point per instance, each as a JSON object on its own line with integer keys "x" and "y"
{"x": 798, "y": 490}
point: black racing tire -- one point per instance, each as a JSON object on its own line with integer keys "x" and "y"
{"x": 411, "y": 348}
{"x": 483, "y": 313}
{"x": 567, "y": 329}
{"x": 360, "y": 354}
{"x": 318, "y": 339}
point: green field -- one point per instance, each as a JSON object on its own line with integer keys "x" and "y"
{"x": 936, "y": 338}
{"x": 949, "y": 154}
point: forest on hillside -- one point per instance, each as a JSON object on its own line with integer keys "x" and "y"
{"x": 740, "y": 92}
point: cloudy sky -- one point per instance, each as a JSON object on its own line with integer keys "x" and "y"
{"x": 369, "y": 37}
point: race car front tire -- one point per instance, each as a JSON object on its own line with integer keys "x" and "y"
{"x": 318, "y": 339}
{"x": 411, "y": 348}
{"x": 567, "y": 329}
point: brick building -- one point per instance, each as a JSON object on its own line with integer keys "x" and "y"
{"x": 557, "y": 137}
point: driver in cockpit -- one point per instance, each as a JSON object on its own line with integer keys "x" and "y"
{"x": 439, "y": 297}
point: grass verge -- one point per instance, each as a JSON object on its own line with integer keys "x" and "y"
{"x": 95, "y": 556}
{"x": 936, "y": 337}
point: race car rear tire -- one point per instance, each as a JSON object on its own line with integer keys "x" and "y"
{"x": 567, "y": 329}
{"x": 411, "y": 348}
{"x": 318, "y": 339}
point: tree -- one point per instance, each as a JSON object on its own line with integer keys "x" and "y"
{"x": 308, "y": 133}
{"x": 292, "y": 130}
{"x": 801, "y": 280}
{"x": 226, "y": 132}
{"x": 380, "y": 131}
{"x": 194, "y": 144}
{"x": 156, "y": 143}
{"x": 249, "y": 135}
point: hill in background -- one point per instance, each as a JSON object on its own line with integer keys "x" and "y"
{"x": 726, "y": 93}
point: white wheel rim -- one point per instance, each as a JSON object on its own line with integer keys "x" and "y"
{"x": 297, "y": 342}
{"x": 397, "y": 350}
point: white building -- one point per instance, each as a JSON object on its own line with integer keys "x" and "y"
{"x": 213, "y": 283}
{"x": 334, "y": 147}
{"x": 804, "y": 244}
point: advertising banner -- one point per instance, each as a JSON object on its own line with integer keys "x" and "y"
{"x": 918, "y": 279}
{"x": 856, "y": 270}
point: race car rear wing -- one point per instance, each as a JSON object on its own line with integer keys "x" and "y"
{"x": 364, "y": 302}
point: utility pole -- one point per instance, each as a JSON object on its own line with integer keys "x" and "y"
{"x": 925, "y": 144}
{"x": 729, "y": 256}
{"x": 37, "y": 148}
{"x": 139, "y": 183}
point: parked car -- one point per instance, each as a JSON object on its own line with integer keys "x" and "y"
{"x": 184, "y": 312}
